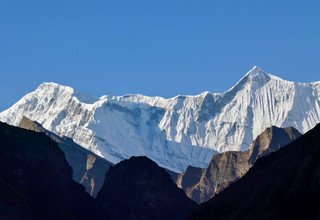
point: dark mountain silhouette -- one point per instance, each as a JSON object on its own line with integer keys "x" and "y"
{"x": 36, "y": 183}
{"x": 88, "y": 168}
{"x": 138, "y": 188}
{"x": 36, "y": 180}
{"x": 282, "y": 185}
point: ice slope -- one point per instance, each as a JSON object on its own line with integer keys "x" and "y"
{"x": 175, "y": 132}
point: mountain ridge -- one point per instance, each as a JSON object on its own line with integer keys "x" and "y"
{"x": 36, "y": 180}
{"x": 281, "y": 185}
{"x": 88, "y": 168}
{"x": 175, "y": 132}
{"x": 201, "y": 184}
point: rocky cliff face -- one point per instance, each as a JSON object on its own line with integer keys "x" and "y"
{"x": 139, "y": 189}
{"x": 282, "y": 185}
{"x": 176, "y": 132}
{"x": 36, "y": 180}
{"x": 225, "y": 168}
{"x": 88, "y": 168}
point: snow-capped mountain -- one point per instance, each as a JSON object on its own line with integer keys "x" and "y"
{"x": 175, "y": 132}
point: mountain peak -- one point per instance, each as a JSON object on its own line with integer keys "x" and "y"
{"x": 272, "y": 139}
{"x": 28, "y": 124}
{"x": 141, "y": 179}
{"x": 66, "y": 91}
{"x": 257, "y": 72}
{"x": 256, "y": 76}
{"x": 257, "y": 68}
{"x": 54, "y": 86}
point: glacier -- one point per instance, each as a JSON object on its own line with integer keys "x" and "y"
{"x": 175, "y": 132}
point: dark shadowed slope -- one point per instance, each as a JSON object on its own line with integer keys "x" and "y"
{"x": 282, "y": 185}
{"x": 138, "y": 188}
{"x": 88, "y": 168}
{"x": 36, "y": 180}
{"x": 225, "y": 168}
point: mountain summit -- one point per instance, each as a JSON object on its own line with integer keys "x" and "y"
{"x": 175, "y": 132}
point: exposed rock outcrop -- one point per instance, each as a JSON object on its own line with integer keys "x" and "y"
{"x": 88, "y": 168}
{"x": 225, "y": 168}
{"x": 282, "y": 185}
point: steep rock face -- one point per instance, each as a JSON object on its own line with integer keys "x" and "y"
{"x": 225, "y": 168}
{"x": 271, "y": 140}
{"x": 36, "y": 180}
{"x": 176, "y": 132}
{"x": 282, "y": 185}
{"x": 138, "y": 188}
{"x": 88, "y": 168}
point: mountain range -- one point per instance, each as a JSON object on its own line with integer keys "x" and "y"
{"x": 241, "y": 154}
{"x": 175, "y": 133}
{"x": 200, "y": 184}
{"x": 36, "y": 183}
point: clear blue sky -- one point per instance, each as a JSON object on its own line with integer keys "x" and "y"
{"x": 154, "y": 47}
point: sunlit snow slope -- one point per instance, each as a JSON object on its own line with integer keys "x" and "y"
{"x": 174, "y": 132}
